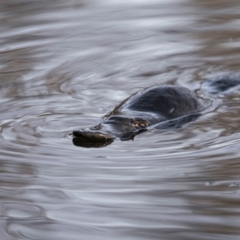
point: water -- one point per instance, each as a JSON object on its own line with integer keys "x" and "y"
{"x": 64, "y": 64}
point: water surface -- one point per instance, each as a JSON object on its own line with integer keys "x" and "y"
{"x": 63, "y": 65}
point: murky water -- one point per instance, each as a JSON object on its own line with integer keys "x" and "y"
{"x": 63, "y": 65}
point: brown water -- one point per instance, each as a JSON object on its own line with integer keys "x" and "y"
{"x": 63, "y": 65}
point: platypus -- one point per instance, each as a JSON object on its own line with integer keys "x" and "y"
{"x": 157, "y": 107}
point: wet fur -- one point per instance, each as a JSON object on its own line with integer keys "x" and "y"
{"x": 159, "y": 107}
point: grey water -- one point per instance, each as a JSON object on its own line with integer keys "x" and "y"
{"x": 63, "y": 65}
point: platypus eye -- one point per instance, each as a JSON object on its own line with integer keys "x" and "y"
{"x": 139, "y": 123}
{"x": 98, "y": 127}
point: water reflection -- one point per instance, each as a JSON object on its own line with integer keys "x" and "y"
{"x": 81, "y": 142}
{"x": 64, "y": 64}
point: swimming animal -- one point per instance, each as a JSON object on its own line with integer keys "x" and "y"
{"x": 158, "y": 107}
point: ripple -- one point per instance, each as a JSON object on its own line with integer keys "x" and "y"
{"x": 64, "y": 64}
{"x": 20, "y": 211}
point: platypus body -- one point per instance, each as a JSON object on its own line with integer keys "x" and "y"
{"x": 158, "y": 107}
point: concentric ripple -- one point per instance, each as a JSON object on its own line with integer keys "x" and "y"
{"x": 63, "y": 65}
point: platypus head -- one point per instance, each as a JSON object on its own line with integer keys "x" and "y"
{"x": 113, "y": 127}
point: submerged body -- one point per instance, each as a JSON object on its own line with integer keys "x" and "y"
{"x": 155, "y": 107}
